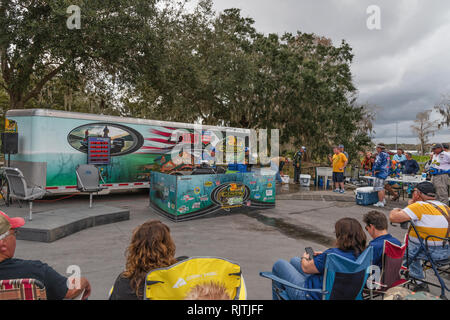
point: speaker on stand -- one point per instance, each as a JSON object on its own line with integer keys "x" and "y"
{"x": 10, "y": 145}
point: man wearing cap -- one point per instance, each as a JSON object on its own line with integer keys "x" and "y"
{"x": 342, "y": 148}
{"x": 55, "y": 284}
{"x": 297, "y": 163}
{"x": 439, "y": 170}
{"x": 430, "y": 217}
{"x": 381, "y": 172}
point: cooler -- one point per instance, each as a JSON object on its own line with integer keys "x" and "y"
{"x": 366, "y": 196}
{"x": 305, "y": 180}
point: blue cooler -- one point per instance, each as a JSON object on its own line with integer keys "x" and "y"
{"x": 366, "y": 196}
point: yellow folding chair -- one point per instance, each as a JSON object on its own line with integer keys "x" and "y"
{"x": 174, "y": 282}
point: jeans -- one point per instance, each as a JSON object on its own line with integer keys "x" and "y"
{"x": 438, "y": 253}
{"x": 293, "y": 273}
{"x": 297, "y": 173}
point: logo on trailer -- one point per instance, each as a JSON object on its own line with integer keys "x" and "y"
{"x": 230, "y": 195}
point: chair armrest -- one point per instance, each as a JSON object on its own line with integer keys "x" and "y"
{"x": 431, "y": 236}
{"x": 273, "y": 277}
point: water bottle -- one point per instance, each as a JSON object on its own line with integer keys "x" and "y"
{"x": 424, "y": 176}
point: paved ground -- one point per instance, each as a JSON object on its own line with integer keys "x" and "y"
{"x": 255, "y": 240}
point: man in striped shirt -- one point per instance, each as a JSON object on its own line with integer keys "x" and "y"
{"x": 430, "y": 217}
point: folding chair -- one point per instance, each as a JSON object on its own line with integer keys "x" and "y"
{"x": 88, "y": 180}
{"x": 22, "y": 289}
{"x": 19, "y": 189}
{"x": 438, "y": 267}
{"x": 344, "y": 279}
{"x": 391, "y": 271}
{"x": 174, "y": 282}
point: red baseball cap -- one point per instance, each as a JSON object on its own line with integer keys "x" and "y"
{"x": 14, "y": 222}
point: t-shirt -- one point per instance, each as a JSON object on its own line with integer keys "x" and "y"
{"x": 315, "y": 281}
{"x": 55, "y": 284}
{"x": 428, "y": 221}
{"x": 338, "y": 162}
{"x": 441, "y": 161}
{"x": 399, "y": 158}
{"x": 122, "y": 290}
{"x": 378, "y": 244}
{"x": 410, "y": 166}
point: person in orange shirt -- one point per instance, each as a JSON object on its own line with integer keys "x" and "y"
{"x": 339, "y": 162}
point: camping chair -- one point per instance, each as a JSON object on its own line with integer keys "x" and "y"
{"x": 88, "y": 180}
{"x": 344, "y": 279}
{"x": 392, "y": 269}
{"x": 174, "y": 282}
{"x": 19, "y": 189}
{"x": 439, "y": 267}
{"x": 22, "y": 289}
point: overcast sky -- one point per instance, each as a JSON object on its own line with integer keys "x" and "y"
{"x": 403, "y": 68}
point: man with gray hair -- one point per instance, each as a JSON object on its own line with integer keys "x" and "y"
{"x": 439, "y": 170}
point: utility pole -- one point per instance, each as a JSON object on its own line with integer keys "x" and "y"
{"x": 396, "y": 135}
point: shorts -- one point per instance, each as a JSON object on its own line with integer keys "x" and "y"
{"x": 378, "y": 184}
{"x": 338, "y": 177}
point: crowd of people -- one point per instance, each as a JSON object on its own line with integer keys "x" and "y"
{"x": 152, "y": 246}
{"x": 382, "y": 166}
{"x": 430, "y": 217}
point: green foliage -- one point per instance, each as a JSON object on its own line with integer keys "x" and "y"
{"x": 154, "y": 59}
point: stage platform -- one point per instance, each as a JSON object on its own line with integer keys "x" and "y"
{"x": 53, "y": 224}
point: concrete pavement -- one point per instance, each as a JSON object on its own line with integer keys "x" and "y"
{"x": 255, "y": 240}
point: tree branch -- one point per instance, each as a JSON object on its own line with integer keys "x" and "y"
{"x": 33, "y": 93}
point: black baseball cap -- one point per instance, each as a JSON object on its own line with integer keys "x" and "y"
{"x": 436, "y": 146}
{"x": 445, "y": 145}
{"x": 427, "y": 188}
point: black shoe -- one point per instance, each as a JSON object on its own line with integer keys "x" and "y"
{"x": 421, "y": 287}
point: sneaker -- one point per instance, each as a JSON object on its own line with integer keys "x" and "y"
{"x": 379, "y": 204}
{"x": 336, "y": 190}
{"x": 342, "y": 191}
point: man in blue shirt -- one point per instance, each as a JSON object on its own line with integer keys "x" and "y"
{"x": 410, "y": 166}
{"x": 377, "y": 225}
{"x": 381, "y": 172}
{"x": 400, "y": 156}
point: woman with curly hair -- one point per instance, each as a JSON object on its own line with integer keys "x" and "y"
{"x": 151, "y": 248}
{"x": 350, "y": 243}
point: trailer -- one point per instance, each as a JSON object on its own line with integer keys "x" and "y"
{"x": 52, "y": 143}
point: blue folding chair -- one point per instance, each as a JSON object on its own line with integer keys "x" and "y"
{"x": 344, "y": 279}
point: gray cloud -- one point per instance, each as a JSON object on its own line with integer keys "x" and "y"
{"x": 403, "y": 68}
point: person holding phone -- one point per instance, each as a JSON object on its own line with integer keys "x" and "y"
{"x": 308, "y": 272}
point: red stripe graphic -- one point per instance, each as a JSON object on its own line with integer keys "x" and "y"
{"x": 160, "y": 133}
{"x": 160, "y": 140}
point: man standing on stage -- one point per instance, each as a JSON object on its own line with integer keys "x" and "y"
{"x": 439, "y": 170}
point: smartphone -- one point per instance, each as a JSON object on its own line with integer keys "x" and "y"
{"x": 310, "y": 251}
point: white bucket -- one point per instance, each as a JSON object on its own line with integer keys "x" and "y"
{"x": 305, "y": 180}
